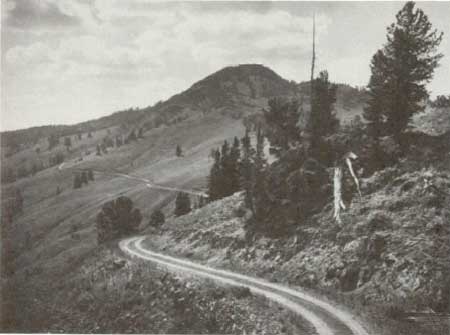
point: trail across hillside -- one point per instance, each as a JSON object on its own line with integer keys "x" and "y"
{"x": 147, "y": 182}
{"x": 325, "y": 318}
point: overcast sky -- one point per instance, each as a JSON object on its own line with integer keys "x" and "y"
{"x": 74, "y": 60}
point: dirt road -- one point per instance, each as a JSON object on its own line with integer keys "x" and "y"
{"x": 148, "y": 182}
{"x": 325, "y": 318}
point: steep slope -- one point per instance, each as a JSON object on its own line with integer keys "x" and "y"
{"x": 390, "y": 257}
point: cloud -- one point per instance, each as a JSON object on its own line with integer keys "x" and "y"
{"x": 117, "y": 53}
{"x": 34, "y": 14}
{"x": 139, "y": 53}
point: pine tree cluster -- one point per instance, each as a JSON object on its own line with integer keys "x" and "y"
{"x": 117, "y": 218}
{"x": 83, "y": 178}
{"x": 224, "y": 177}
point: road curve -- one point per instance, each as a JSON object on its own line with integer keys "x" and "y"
{"x": 325, "y": 318}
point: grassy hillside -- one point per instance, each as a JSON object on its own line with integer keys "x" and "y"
{"x": 234, "y": 92}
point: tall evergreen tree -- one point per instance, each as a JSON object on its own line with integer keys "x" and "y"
{"x": 281, "y": 119}
{"x": 401, "y": 70}
{"x": 215, "y": 178}
{"x": 235, "y": 154}
{"x": 259, "y": 178}
{"x": 378, "y": 91}
{"x": 225, "y": 182}
{"x": 246, "y": 170}
{"x": 323, "y": 121}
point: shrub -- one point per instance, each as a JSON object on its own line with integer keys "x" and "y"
{"x": 116, "y": 219}
{"x": 157, "y": 218}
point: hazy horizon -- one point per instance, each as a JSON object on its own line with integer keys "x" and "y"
{"x": 73, "y": 61}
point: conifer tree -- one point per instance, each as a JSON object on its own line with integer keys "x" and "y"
{"x": 178, "y": 151}
{"x": 235, "y": 154}
{"x": 90, "y": 174}
{"x": 400, "y": 71}
{"x": 119, "y": 141}
{"x": 259, "y": 181}
{"x": 246, "y": 170}
{"x": 225, "y": 187}
{"x": 77, "y": 181}
{"x": 182, "y": 204}
{"x": 116, "y": 219}
{"x": 157, "y": 218}
{"x": 84, "y": 178}
{"x": 67, "y": 142}
{"x": 323, "y": 121}
{"x": 132, "y": 136}
{"x": 215, "y": 178}
{"x": 53, "y": 141}
{"x": 281, "y": 119}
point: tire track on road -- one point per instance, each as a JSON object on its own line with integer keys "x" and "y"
{"x": 325, "y": 318}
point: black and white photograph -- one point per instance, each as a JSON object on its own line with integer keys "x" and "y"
{"x": 225, "y": 167}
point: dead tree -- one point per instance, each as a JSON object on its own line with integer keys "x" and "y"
{"x": 337, "y": 183}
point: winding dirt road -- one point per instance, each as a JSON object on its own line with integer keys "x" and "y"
{"x": 325, "y": 318}
{"x": 148, "y": 182}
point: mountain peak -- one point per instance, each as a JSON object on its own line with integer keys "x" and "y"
{"x": 242, "y": 72}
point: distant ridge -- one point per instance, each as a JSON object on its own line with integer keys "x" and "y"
{"x": 233, "y": 91}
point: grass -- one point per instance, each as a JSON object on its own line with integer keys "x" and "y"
{"x": 56, "y": 233}
{"x": 109, "y": 293}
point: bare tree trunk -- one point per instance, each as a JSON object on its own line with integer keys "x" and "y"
{"x": 338, "y": 203}
{"x": 313, "y": 51}
{"x": 307, "y": 113}
{"x": 348, "y": 160}
{"x": 337, "y": 183}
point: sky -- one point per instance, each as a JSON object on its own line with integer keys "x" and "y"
{"x": 74, "y": 60}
